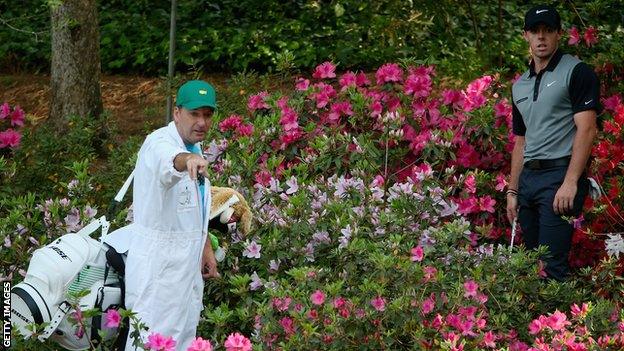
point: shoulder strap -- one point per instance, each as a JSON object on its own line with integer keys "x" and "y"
{"x": 62, "y": 310}
{"x": 112, "y": 209}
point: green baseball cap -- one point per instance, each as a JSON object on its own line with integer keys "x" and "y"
{"x": 195, "y": 94}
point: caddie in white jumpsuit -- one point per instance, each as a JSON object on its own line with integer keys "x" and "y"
{"x": 167, "y": 250}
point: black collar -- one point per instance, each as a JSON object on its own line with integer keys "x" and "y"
{"x": 554, "y": 61}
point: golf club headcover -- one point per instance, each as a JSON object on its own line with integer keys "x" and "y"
{"x": 228, "y": 207}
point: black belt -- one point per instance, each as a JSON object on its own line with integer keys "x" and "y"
{"x": 544, "y": 164}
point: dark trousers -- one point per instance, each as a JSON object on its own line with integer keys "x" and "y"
{"x": 538, "y": 221}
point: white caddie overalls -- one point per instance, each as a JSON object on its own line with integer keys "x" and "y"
{"x": 164, "y": 245}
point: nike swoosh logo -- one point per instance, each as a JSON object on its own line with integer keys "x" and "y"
{"x": 551, "y": 83}
{"x": 537, "y": 12}
{"x": 587, "y": 102}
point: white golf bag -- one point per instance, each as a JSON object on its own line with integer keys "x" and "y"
{"x": 74, "y": 263}
{"x": 71, "y": 264}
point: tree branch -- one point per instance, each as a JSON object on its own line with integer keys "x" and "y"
{"x": 36, "y": 34}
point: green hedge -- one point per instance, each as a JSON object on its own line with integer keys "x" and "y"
{"x": 462, "y": 37}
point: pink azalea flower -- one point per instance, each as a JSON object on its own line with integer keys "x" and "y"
{"x": 590, "y": 36}
{"x": 471, "y": 184}
{"x": 465, "y": 327}
{"x": 558, "y": 320}
{"x": 418, "y": 85}
{"x": 338, "y": 109}
{"x": 470, "y": 288}
{"x": 230, "y": 123}
{"x": 289, "y": 119}
{"x": 535, "y": 327}
{"x": 258, "y": 101}
{"x": 611, "y": 103}
{"x": 282, "y": 304}
{"x": 262, "y": 177}
{"x": 482, "y": 298}
{"x": 318, "y": 297}
{"x": 5, "y": 110}
{"x": 288, "y": 325}
{"x": 158, "y": 342}
{"x": 502, "y": 108}
{"x": 451, "y": 97}
{"x": 326, "y": 89}
{"x": 427, "y": 306}
{"x": 518, "y": 345}
{"x": 379, "y": 303}
{"x": 325, "y": 70}
{"x": 252, "y": 250}
{"x": 339, "y": 302}
{"x": 501, "y": 182}
{"x": 237, "y": 342}
{"x": 361, "y": 79}
{"x": 575, "y": 37}
{"x": 282, "y": 103}
{"x": 468, "y": 206}
{"x": 200, "y": 344}
{"x": 376, "y": 108}
{"x": 302, "y": 84}
{"x": 437, "y": 322}
{"x": 489, "y": 339}
{"x": 113, "y": 318}
{"x": 378, "y": 182}
{"x": 347, "y": 80}
{"x": 479, "y": 85}
{"x": 289, "y": 137}
{"x": 467, "y": 156}
{"x": 17, "y": 117}
{"x": 388, "y": 73}
{"x": 580, "y": 312}
{"x": 10, "y": 138}
{"x": 419, "y": 142}
{"x": 486, "y": 204}
{"x": 417, "y": 254}
{"x": 245, "y": 130}
{"x": 430, "y": 273}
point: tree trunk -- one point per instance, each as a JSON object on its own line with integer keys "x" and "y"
{"x": 75, "y": 68}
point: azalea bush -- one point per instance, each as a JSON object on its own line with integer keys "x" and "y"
{"x": 357, "y": 171}
{"x": 379, "y": 219}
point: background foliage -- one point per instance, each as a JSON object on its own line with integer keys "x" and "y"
{"x": 238, "y": 35}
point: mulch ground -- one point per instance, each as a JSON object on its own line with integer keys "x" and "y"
{"x": 132, "y": 102}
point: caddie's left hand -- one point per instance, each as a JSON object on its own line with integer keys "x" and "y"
{"x": 564, "y": 198}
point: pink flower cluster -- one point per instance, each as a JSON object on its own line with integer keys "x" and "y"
{"x": 11, "y": 118}
{"x": 590, "y": 37}
{"x": 554, "y": 332}
{"x": 237, "y": 342}
{"x": 235, "y": 123}
{"x": 158, "y": 342}
{"x": 234, "y": 342}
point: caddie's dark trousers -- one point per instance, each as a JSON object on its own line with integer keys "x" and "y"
{"x": 540, "y": 225}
